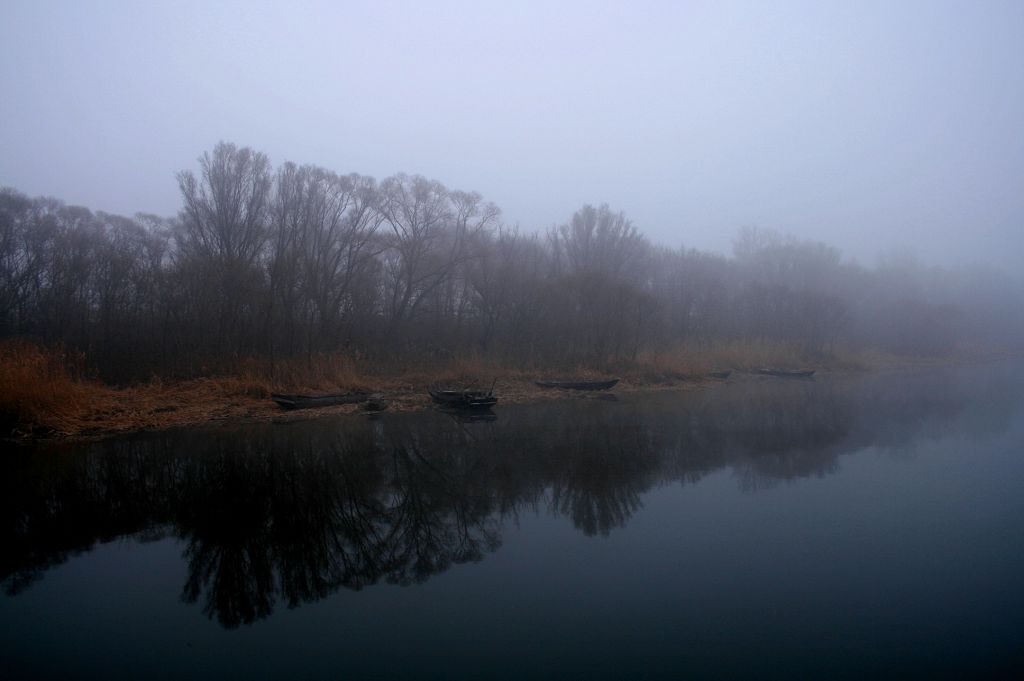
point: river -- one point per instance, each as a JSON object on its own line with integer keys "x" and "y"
{"x": 761, "y": 528}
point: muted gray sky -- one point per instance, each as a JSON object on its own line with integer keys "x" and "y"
{"x": 870, "y": 125}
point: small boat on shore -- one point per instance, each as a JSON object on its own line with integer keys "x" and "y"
{"x": 578, "y": 385}
{"x": 786, "y": 373}
{"x": 472, "y": 415}
{"x": 462, "y": 399}
{"x": 722, "y": 375}
{"x": 313, "y": 400}
{"x": 375, "y": 403}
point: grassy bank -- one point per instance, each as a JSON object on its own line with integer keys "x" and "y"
{"x": 44, "y": 393}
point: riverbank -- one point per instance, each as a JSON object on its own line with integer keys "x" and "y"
{"x": 44, "y": 396}
{"x": 94, "y": 411}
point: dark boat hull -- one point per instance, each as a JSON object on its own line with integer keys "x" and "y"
{"x": 463, "y": 399}
{"x": 288, "y": 401}
{"x": 578, "y": 385}
{"x": 787, "y": 373}
{"x": 375, "y": 404}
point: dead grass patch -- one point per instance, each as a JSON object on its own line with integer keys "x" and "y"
{"x": 259, "y": 377}
{"x": 42, "y": 389}
{"x": 45, "y": 392}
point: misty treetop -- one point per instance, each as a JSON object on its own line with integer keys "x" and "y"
{"x": 300, "y": 260}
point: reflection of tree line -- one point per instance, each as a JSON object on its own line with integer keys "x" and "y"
{"x": 299, "y": 517}
{"x": 292, "y": 513}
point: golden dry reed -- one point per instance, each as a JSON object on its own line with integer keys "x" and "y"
{"x": 44, "y": 391}
{"x": 42, "y": 388}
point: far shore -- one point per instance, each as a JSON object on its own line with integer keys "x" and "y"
{"x": 158, "y": 406}
{"x": 96, "y": 411}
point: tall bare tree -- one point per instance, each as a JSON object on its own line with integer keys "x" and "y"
{"x": 222, "y": 235}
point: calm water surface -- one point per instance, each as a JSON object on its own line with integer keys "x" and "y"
{"x": 764, "y": 528}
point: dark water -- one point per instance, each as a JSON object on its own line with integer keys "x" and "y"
{"x": 764, "y": 528}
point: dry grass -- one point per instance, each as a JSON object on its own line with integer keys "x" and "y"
{"x": 258, "y": 377}
{"x": 43, "y": 392}
{"x": 471, "y": 370}
{"x": 690, "y": 361}
{"x": 42, "y": 389}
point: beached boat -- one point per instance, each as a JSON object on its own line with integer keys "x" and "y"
{"x": 375, "y": 403}
{"x": 313, "y": 400}
{"x": 462, "y": 399}
{"x": 472, "y": 415}
{"x": 720, "y": 374}
{"x": 786, "y": 373}
{"x": 578, "y": 385}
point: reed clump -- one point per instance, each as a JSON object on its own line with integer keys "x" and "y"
{"x": 259, "y": 377}
{"x": 43, "y": 389}
{"x": 464, "y": 371}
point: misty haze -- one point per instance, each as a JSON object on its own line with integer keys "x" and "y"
{"x": 445, "y": 340}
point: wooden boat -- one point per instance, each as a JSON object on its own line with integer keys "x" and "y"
{"x": 787, "y": 373}
{"x": 291, "y": 401}
{"x": 462, "y": 399}
{"x": 720, "y": 374}
{"x": 472, "y": 415}
{"x": 578, "y": 385}
{"x": 375, "y": 403}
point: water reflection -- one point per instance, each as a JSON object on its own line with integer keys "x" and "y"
{"x": 290, "y": 513}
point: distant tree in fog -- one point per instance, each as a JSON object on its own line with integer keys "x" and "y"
{"x": 20, "y": 263}
{"x": 221, "y": 235}
{"x": 323, "y": 230}
{"x": 597, "y": 240}
{"x": 431, "y": 231}
{"x": 224, "y": 214}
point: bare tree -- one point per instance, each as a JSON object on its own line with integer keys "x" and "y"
{"x": 224, "y": 215}
{"x": 430, "y": 232}
{"x": 598, "y": 240}
{"x": 223, "y": 232}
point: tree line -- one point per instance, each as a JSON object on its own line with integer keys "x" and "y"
{"x": 299, "y": 260}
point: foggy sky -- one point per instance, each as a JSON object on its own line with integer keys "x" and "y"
{"x": 871, "y": 126}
